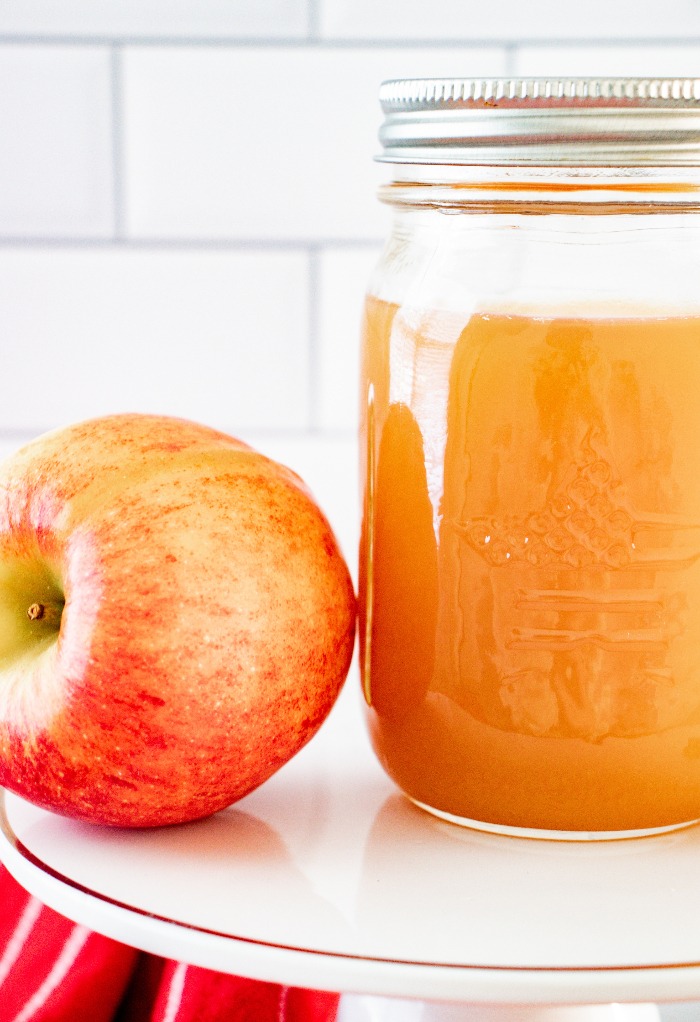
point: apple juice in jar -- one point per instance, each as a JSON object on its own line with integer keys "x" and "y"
{"x": 530, "y": 447}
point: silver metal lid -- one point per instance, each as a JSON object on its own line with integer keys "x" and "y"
{"x": 542, "y": 121}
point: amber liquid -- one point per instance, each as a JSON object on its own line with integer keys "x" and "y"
{"x": 530, "y": 565}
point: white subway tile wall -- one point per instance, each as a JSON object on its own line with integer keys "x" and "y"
{"x": 187, "y": 199}
{"x": 57, "y": 152}
{"x": 660, "y": 61}
{"x": 260, "y": 142}
{"x": 220, "y": 336}
{"x": 340, "y": 285}
{"x": 142, "y": 19}
{"x": 509, "y": 20}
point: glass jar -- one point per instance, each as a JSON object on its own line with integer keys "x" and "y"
{"x": 530, "y": 446}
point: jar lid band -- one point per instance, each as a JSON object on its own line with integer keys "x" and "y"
{"x": 541, "y": 121}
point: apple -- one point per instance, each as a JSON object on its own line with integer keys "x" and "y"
{"x": 176, "y": 620}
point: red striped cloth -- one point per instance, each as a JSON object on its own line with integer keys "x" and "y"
{"x": 52, "y": 970}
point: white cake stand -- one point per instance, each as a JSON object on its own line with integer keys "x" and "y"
{"x": 326, "y": 877}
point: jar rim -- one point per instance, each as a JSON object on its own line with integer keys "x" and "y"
{"x": 541, "y": 121}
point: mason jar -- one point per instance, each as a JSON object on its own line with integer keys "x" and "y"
{"x": 530, "y": 455}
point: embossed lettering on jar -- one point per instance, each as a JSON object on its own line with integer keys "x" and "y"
{"x": 530, "y": 560}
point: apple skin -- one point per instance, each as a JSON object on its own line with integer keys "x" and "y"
{"x": 207, "y": 630}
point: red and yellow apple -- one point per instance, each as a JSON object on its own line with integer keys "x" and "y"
{"x": 176, "y": 620}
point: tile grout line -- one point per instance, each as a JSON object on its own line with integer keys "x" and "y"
{"x": 314, "y": 294}
{"x": 179, "y": 243}
{"x": 338, "y": 42}
{"x": 117, "y": 141}
{"x": 314, "y": 20}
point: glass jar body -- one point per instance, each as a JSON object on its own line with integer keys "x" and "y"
{"x": 530, "y": 555}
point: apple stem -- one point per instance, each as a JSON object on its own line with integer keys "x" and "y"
{"x": 47, "y": 613}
